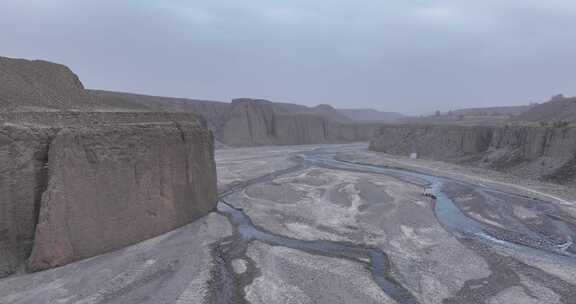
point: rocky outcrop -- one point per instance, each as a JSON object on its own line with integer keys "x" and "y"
{"x": 71, "y": 189}
{"x": 40, "y": 85}
{"x": 67, "y": 118}
{"x": 251, "y": 122}
{"x": 536, "y": 152}
{"x": 258, "y": 122}
{"x": 113, "y": 186}
{"x": 215, "y": 113}
{"x": 331, "y": 114}
{"x": 436, "y": 142}
{"x": 76, "y": 182}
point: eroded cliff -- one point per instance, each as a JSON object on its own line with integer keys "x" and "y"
{"x": 23, "y": 177}
{"x": 252, "y": 122}
{"x": 259, "y": 122}
{"x": 89, "y": 183}
{"x": 113, "y": 186}
{"x": 535, "y": 152}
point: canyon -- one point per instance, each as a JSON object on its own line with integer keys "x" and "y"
{"x": 110, "y": 197}
{"x": 254, "y": 122}
{"x": 336, "y": 224}
{"x": 547, "y": 153}
{"x": 88, "y": 172}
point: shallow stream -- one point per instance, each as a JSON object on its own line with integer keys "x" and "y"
{"x": 446, "y": 210}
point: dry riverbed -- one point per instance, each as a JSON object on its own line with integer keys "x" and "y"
{"x": 297, "y": 226}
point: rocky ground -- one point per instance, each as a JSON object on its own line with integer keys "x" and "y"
{"x": 172, "y": 268}
{"x": 296, "y": 226}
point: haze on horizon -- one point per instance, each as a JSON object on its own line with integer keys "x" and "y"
{"x": 406, "y": 56}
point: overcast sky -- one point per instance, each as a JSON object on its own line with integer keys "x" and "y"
{"x": 412, "y": 56}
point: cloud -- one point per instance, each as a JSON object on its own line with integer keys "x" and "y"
{"x": 451, "y": 16}
{"x": 438, "y": 13}
{"x": 184, "y": 12}
{"x": 286, "y": 14}
{"x": 197, "y": 16}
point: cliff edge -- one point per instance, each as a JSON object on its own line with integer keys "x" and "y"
{"x": 75, "y": 182}
{"x": 260, "y": 122}
{"x": 546, "y": 153}
{"x": 112, "y": 186}
{"x": 41, "y": 86}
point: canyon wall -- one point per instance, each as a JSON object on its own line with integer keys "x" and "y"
{"x": 535, "y": 152}
{"x": 214, "y": 112}
{"x": 23, "y": 176}
{"x": 81, "y": 175}
{"x": 252, "y": 122}
{"x": 59, "y": 119}
{"x": 86, "y": 172}
{"x": 257, "y": 122}
{"x": 112, "y": 186}
{"x": 88, "y": 183}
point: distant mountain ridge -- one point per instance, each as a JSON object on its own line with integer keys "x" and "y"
{"x": 503, "y": 110}
{"x": 488, "y": 116}
{"x": 214, "y": 112}
{"x": 37, "y": 85}
{"x": 371, "y": 115}
{"x": 558, "y": 108}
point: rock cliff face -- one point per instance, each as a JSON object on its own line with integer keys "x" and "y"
{"x": 77, "y": 187}
{"x": 537, "y": 152}
{"x": 252, "y": 122}
{"x": 436, "y": 142}
{"x": 113, "y": 186}
{"x": 66, "y": 119}
{"x": 215, "y": 113}
{"x": 258, "y": 122}
{"x": 76, "y": 183}
{"x": 23, "y": 176}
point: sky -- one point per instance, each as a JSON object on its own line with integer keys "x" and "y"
{"x": 409, "y": 56}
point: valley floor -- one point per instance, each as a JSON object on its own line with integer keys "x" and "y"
{"x": 340, "y": 224}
